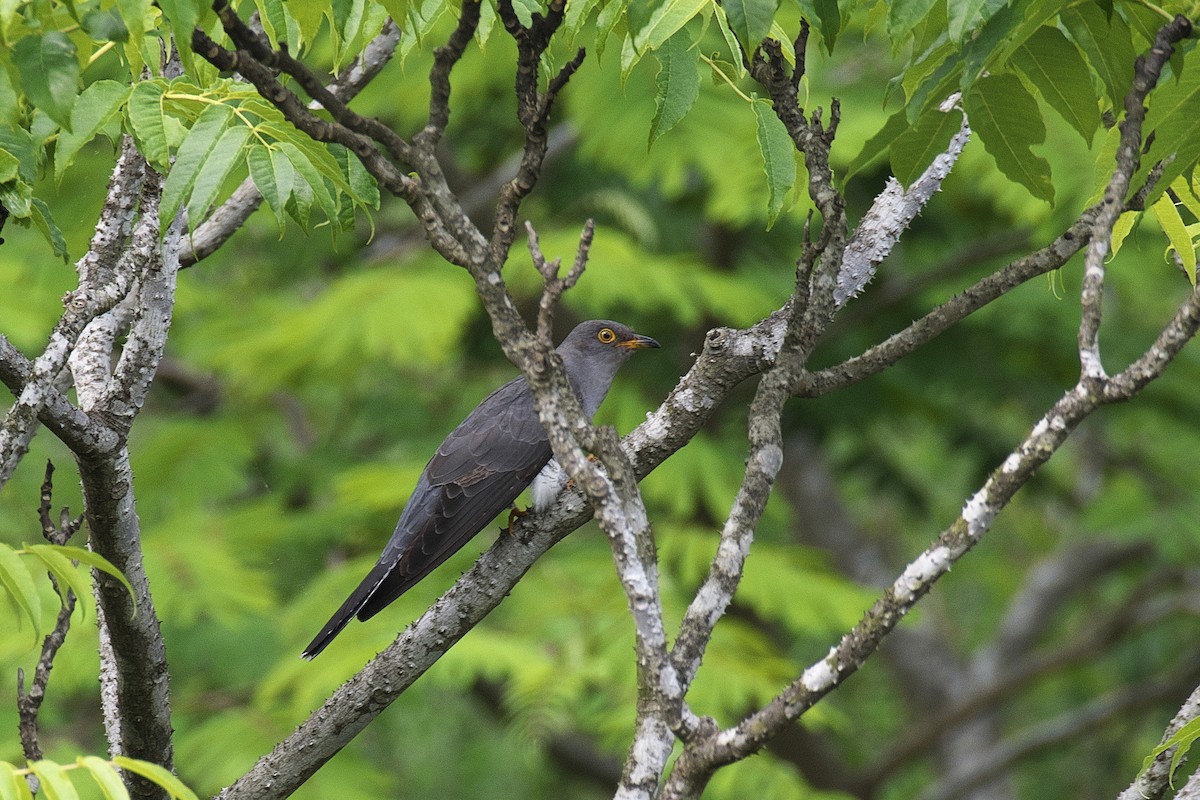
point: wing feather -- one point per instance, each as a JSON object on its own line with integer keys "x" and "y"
{"x": 476, "y": 473}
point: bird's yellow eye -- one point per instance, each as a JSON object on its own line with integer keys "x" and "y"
{"x": 606, "y": 335}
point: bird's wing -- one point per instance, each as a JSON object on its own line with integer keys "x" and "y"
{"x": 476, "y": 473}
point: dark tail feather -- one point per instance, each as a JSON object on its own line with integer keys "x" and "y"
{"x": 343, "y": 615}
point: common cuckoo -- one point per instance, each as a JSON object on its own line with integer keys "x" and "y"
{"x": 479, "y": 470}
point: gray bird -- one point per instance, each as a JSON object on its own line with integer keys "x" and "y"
{"x": 479, "y": 470}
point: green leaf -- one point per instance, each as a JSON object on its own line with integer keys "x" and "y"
{"x": 363, "y": 187}
{"x": 17, "y": 197}
{"x": 1174, "y": 118}
{"x": 1107, "y": 43}
{"x": 966, "y": 16}
{"x": 678, "y": 84}
{"x": 106, "y": 26}
{"x": 105, "y": 776}
{"x": 93, "y": 560}
{"x": 1121, "y": 230}
{"x": 194, "y": 151}
{"x": 49, "y": 70}
{"x": 779, "y": 157}
{"x": 133, "y": 15}
{"x": 156, "y": 774}
{"x": 825, "y": 17}
{"x": 1054, "y": 66}
{"x": 904, "y": 15}
{"x": 273, "y": 175}
{"x": 95, "y": 109}
{"x": 55, "y": 785}
{"x": 1008, "y": 122}
{"x": 12, "y": 783}
{"x": 60, "y": 566}
{"x": 311, "y": 177}
{"x": 148, "y": 124}
{"x": 184, "y": 16}
{"x": 1177, "y": 234}
{"x": 44, "y": 222}
{"x": 606, "y": 22}
{"x": 577, "y": 13}
{"x": 878, "y": 144}
{"x": 525, "y": 9}
{"x": 731, "y": 41}
{"x": 10, "y": 166}
{"x": 1183, "y": 740}
{"x": 226, "y": 155}
{"x": 750, "y": 21}
{"x": 914, "y": 150}
{"x": 665, "y": 21}
{"x": 308, "y": 17}
{"x": 18, "y": 584}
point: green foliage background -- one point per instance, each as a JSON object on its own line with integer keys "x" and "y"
{"x": 309, "y": 376}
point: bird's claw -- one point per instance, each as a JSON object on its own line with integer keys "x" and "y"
{"x": 514, "y": 514}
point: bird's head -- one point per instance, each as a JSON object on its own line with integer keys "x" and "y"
{"x": 602, "y": 340}
{"x": 592, "y": 354}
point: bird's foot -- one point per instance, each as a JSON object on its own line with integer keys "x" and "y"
{"x": 571, "y": 481}
{"x": 514, "y": 514}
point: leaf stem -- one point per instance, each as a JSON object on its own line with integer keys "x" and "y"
{"x": 726, "y": 78}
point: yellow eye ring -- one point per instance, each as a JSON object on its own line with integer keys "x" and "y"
{"x": 606, "y": 336}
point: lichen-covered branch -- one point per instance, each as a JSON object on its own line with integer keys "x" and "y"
{"x": 696, "y": 765}
{"x": 1145, "y": 77}
{"x": 891, "y": 213}
{"x": 101, "y": 286}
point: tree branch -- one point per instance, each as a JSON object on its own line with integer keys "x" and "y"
{"x": 29, "y": 702}
{"x": 229, "y": 217}
{"x": 1152, "y": 782}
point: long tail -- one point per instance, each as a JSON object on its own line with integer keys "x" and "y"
{"x": 354, "y": 603}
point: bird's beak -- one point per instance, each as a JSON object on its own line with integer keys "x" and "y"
{"x": 638, "y": 342}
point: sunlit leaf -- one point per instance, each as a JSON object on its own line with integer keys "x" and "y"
{"x": 183, "y": 16}
{"x": 64, "y": 572}
{"x": 157, "y": 775}
{"x": 273, "y": 175}
{"x": 1177, "y": 234}
{"x": 146, "y": 119}
{"x": 227, "y": 154}
{"x": 55, "y": 784}
{"x": 19, "y": 586}
{"x": 12, "y": 783}
{"x": 105, "y": 776}
{"x": 193, "y": 154}
{"x": 665, "y": 22}
{"x": 1174, "y": 118}
{"x": 312, "y": 178}
{"x": 9, "y": 166}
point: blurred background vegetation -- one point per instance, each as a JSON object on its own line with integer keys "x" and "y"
{"x": 308, "y": 377}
